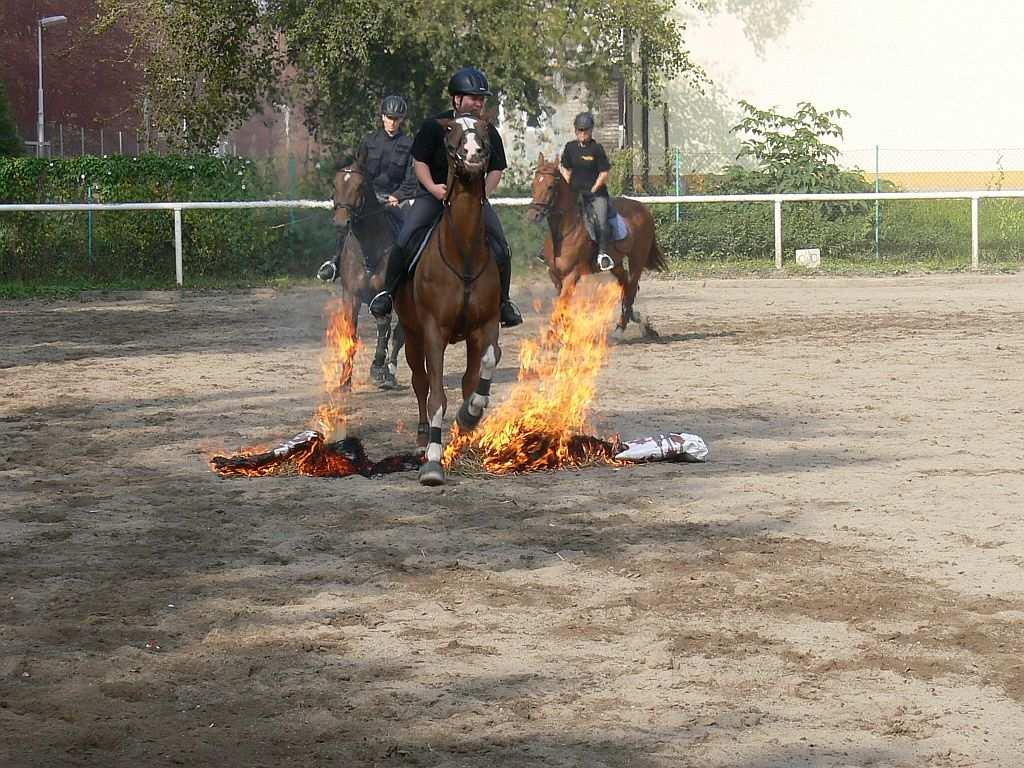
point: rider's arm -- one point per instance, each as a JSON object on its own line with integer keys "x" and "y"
{"x": 492, "y": 181}
{"x": 563, "y": 168}
{"x": 422, "y": 171}
{"x": 407, "y": 189}
{"x": 603, "y": 167}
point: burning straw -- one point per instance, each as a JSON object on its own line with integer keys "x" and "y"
{"x": 541, "y": 424}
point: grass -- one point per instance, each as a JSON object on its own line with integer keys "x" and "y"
{"x": 73, "y": 288}
{"x": 678, "y": 269}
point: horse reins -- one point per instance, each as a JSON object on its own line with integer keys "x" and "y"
{"x": 358, "y": 214}
{"x": 467, "y": 277}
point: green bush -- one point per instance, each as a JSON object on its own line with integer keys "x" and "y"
{"x": 111, "y": 245}
{"x": 10, "y": 142}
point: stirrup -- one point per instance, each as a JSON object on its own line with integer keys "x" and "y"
{"x": 381, "y": 304}
{"x": 605, "y": 262}
{"x": 515, "y": 318}
{"x": 327, "y": 272}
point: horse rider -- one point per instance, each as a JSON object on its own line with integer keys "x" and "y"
{"x": 388, "y": 163}
{"x": 469, "y": 90}
{"x": 585, "y": 167}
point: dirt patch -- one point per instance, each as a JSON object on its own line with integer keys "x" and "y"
{"x": 838, "y": 586}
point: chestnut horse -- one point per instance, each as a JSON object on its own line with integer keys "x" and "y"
{"x": 570, "y": 253}
{"x": 365, "y": 238}
{"x": 454, "y": 295}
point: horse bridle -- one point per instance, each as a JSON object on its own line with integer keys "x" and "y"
{"x": 547, "y": 208}
{"x": 357, "y": 213}
{"x": 467, "y": 277}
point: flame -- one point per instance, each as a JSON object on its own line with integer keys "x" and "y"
{"x": 336, "y": 364}
{"x": 539, "y": 426}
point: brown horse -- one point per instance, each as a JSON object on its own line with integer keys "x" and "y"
{"x": 569, "y": 251}
{"x": 453, "y": 296}
{"x": 365, "y": 238}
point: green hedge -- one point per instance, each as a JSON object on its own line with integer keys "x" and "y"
{"x": 110, "y": 245}
{"x": 910, "y": 232}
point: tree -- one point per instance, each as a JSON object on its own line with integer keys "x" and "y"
{"x": 10, "y": 142}
{"x": 209, "y": 65}
{"x": 791, "y": 152}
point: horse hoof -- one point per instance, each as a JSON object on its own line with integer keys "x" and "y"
{"x": 467, "y": 421}
{"x": 618, "y": 334}
{"x": 378, "y": 374}
{"x": 432, "y": 473}
{"x": 388, "y": 383}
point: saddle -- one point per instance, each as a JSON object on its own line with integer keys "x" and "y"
{"x": 419, "y": 241}
{"x": 618, "y": 229}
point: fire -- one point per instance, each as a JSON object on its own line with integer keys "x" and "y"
{"x": 336, "y": 364}
{"x": 540, "y": 425}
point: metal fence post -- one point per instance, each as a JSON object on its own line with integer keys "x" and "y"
{"x": 975, "y": 256}
{"x": 178, "y": 262}
{"x": 778, "y": 233}
{"x": 878, "y": 203}
{"x": 88, "y": 199}
{"x": 679, "y": 162}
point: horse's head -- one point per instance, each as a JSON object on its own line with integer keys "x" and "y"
{"x": 349, "y": 190}
{"x": 545, "y": 187}
{"x": 468, "y": 145}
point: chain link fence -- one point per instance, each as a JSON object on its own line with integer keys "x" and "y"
{"x": 905, "y": 169}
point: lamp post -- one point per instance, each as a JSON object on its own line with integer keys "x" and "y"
{"x": 46, "y": 21}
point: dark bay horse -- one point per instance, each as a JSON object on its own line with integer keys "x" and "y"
{"x": 365, "y": 238}
{"x": 454, "y": 295}
{"x": 570, "y": 253}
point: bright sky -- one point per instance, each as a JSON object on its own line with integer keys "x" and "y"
{"x": 914, "y": 74}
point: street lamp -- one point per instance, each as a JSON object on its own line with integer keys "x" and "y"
{"x": 46, "y": 21}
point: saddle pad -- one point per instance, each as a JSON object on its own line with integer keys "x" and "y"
{"x": 616, "y": 223}
{"x": 423, "y": 244}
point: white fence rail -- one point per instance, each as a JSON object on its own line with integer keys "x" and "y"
{"x": 974, "y": 196}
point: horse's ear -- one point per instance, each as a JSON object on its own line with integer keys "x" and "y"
{"x": 361, "y": 158}
{"x": 540, "y": 159}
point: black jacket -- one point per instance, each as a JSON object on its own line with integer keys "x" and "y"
{"x": 389, "y": 165}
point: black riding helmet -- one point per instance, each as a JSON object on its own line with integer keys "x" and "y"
{"x": 393, "y": 106}
{"x": 584, "y": 122}
{"x": 469, "y": 81}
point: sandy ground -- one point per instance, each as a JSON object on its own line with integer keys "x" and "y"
{"x": 841, "y": 585}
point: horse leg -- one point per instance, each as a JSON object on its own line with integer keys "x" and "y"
{"x": 350, "y": 308}
{"x": 397, "y": 342}
{"x": 476, "y": 382}
{"x": 432, "y": 471}
{"x": 420, "y": 384}
{"x": 378, "y": 368}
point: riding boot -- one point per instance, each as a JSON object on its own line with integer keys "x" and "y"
{"x": 398, "y": 263}
{"x": 510, "y": 314}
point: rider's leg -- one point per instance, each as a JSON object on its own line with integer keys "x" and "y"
{"x": 419, "y": 216}
{"x": 510, "y": 314}
{"x": 600, "y": 208}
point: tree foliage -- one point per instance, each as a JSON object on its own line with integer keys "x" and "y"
{"x": 10, "y": 142}
{"x": 210, "y": 63}
{"x": 791, "y": 152}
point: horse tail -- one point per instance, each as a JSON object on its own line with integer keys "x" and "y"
{"x": 656, "y": 259}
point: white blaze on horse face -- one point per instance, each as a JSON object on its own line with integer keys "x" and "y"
{"x": 348, "y": 176}
{"x": 471, "y": 144}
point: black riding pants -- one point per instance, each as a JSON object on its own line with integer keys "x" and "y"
{"x": 424, "y": 211}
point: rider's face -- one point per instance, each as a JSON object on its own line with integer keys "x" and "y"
{"x": 470, "y": 104}
{"x": 583, "y": 136}
{"x": 390, "y": 124}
